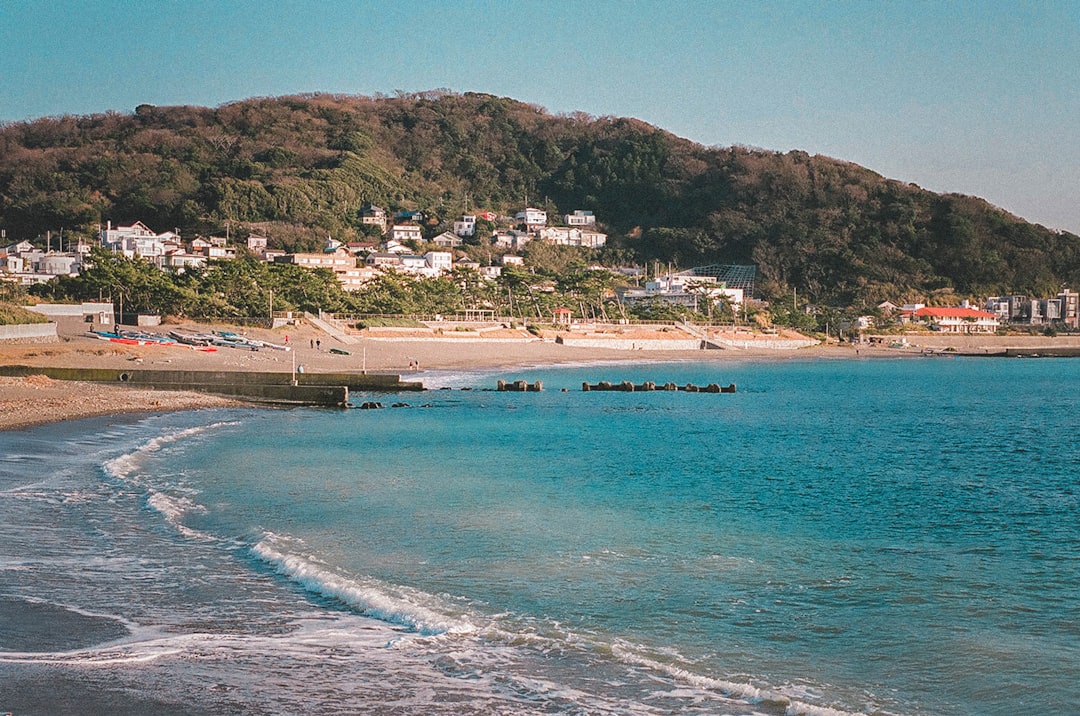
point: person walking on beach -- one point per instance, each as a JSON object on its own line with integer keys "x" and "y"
{"x": 312, "y": 344}
{"x": 318, "y": 344}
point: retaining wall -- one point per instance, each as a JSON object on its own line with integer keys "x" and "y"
{"x": 29, "y": 333}
{"x": 628, "y": 344}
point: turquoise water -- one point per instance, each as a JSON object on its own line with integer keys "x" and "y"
{"x": 881, "y": 537}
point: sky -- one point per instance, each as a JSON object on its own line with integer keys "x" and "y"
{"x": 979, "y": 98}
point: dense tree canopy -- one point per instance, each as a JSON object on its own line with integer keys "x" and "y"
{"x": 298, "y": 169}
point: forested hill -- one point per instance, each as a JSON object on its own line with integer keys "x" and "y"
{"x": 297, "y": 168}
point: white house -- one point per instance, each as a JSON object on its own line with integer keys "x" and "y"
{"x": 440, "y": 261}
{"x": 580, "y": 218}
{"x": 568, "y": 236}
{"x": 511, "y": 260}
{"x": 406, "y": 232}
{"x": 534, "y": 219}
{"x": 137, "y": 240}
{"x": 181, "y": 260}
{"x": 466, "y": 226}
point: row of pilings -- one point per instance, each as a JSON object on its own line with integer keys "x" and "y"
{"x": 628, "y": 387}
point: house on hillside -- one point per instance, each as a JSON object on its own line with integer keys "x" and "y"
{"x": 513, "y": 239}
{"x": 447, "y": 240}
{"x": 257, "y": 245}
{"x": 406, "y": 232}
{"x": 340, "y": 261}
{"x": 465, "y": 226}
{"x": 533, "y": 219}
{"x": 951, "y": 319}
{"x": 371, "y": 215}
{"x": 383, "y": 259}
{"x": 580, "y": 218}
{"x": 138, "y": 240}
{"x": 568, "y": 236}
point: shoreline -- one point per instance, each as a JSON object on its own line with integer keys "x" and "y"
{"x": 37, "y": 400}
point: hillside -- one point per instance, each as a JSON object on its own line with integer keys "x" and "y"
{"x": 298, "y": 168}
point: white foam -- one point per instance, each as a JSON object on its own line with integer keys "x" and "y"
{"x": 370, "y": 597}
{"x": 174, "y": 509}
{"x": 124, "y": 466}
{"x": 748, "y": 692}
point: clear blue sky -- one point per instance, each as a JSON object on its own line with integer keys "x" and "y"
{"x": 974, "y": 97}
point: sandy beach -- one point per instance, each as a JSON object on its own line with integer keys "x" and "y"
{"x": 413, "y": 355}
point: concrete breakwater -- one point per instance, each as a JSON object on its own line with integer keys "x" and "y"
{"x": 325, "y": 389}
{"x": 628, "y": 387}
{"x": 519, "y": 386}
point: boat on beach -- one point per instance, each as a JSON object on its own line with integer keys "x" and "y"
{"x": 145, "y": 338}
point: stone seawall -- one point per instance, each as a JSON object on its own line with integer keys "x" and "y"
{"x": 629, "y": 344}
{"x": 777, "y": 344}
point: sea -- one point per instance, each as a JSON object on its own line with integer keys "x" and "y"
{"x": 874, "y": 536}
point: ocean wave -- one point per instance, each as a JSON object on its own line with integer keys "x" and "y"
{"x": 792, "y": 705}
{"x": 370, "y": 598}
{"x": 124, "y": 466}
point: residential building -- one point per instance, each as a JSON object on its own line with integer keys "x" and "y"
{"x": 393, "y": 246}
{"x": 353, "y": 279}
{"x": 371, "y": 215}
{"x": 533, "y": 219}
{"x": 513, "y": 239}
{"x": 580, "y": 218}
{"x": 406, "y": 232}
{"x": 407, "y": 216}
{"x": 380, "y": 259}
{"x": 466, "y": 226}
{"x": 491, "y": 272}
{"x": 181, "y": 260}
{"x": 950, "y": 319}
{"x": 511, "y": 260}
{"x": 340, "y": 261}
{"x": 440, "y": 261}
{"x": 137, "y": 240}
{"x": 257, "y": 244}
{"x": 221, "y": 253}
{"x": 361, "y": 248}
{"x": 567, "y": 236}
{"x": 448, "y": 239}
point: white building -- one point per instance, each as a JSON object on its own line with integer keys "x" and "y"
{"x": 138, "y": 240}
{"x": 684, "y": 290}
{"x": 406, "y": 232}
{"x": 568, "y": 236}
{"x": 534, "y": 219}
{"x": 580, "y": 218}
{"x": 466, "y": 226}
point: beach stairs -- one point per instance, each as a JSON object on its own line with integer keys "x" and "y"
{"x": 703, "y": 335}
{"x": 331, "y": 327}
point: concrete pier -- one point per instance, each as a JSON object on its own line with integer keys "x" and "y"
{"x": 326, "y": 389}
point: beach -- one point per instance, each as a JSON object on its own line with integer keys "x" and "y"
{"x": 412, "y": 354}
